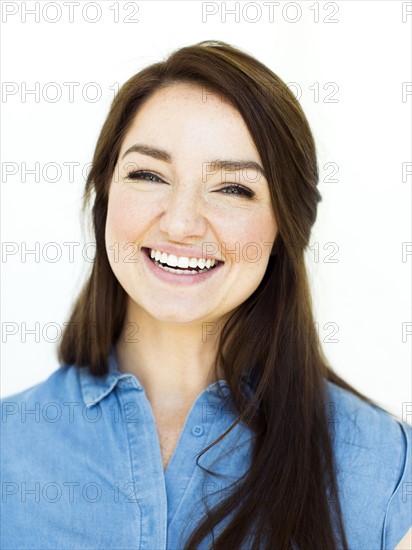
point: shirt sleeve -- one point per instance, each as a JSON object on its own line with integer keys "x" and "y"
{"x": 398, "y": 516}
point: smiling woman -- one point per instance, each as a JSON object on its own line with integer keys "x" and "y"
{"x": 165, "y": 206}
{"x": 211, "y": 418}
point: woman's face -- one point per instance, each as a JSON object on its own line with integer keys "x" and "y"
{"x": 189, "y": 207}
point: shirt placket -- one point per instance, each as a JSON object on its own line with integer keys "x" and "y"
{"x": 186, "y": 483}
{"x": 146, "y": 464}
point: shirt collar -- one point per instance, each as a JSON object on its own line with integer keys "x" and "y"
{"x": 95, "y": 388}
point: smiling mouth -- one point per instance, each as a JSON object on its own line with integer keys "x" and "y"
{"x": 180, "y": 270}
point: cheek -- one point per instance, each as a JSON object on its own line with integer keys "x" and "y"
{"x": 252, "y": 239}
{"x": 125, "y": 219}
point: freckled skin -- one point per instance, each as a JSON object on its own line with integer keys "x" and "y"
{"x": 174, "y": 355}
{"x": 190, "y": 208}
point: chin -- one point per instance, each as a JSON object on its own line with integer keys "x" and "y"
{"x": 170, "y": 314}
{"x": 181, "y": 319}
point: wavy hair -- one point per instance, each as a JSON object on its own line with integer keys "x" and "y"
{"x": 289, "y": 495}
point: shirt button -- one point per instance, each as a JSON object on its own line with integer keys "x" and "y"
{"x": 197, "y": 430}
{"x": 225, "y": 390}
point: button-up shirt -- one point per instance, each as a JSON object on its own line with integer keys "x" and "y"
{"x": 82, "y": 469}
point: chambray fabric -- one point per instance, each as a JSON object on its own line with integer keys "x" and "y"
{"x": 81, "y": 466}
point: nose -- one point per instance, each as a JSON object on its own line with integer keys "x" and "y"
{"x": 183, "y": 213}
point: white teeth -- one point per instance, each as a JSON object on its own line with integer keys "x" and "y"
{"x": 182, "y": 261}
{"x": 179, "y": 271}
{"x": 172, "y": 260}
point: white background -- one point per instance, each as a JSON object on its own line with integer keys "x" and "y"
{"x": 366, "y": 212}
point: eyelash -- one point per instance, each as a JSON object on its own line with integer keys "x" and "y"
{"x": 244, "y": 191}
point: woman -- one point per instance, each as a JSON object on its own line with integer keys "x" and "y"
{"x": 193, "y": 407}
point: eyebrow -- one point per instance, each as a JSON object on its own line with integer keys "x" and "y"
{"x": 218, "y": 164}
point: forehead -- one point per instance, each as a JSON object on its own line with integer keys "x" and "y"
{"x": 192, "y": 96}
{"x": 185, "y": 115}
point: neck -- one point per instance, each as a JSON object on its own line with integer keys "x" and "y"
{"x": 174, "y": 362}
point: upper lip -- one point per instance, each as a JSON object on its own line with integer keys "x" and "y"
{"x": 186, "y": 252}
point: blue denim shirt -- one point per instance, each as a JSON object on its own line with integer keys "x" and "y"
{"x": 81, "y": 466}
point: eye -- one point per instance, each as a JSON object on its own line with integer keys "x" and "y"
{"x": 239, "y": 190}
{"x": 143, "y": 175}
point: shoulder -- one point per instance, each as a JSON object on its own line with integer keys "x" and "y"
{"x": 373, "y": 456}
{"x": 357, "y": 422}
{"x": 360, "y": 426}
{"x": 62, "y": 384}
{"x": 37, "y": 429}
{"x": 38, "y": 410}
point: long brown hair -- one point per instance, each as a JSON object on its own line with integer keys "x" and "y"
{"x": 289, "y": 495}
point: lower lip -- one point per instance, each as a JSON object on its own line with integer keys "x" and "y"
{"x": 174, "y": 278}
